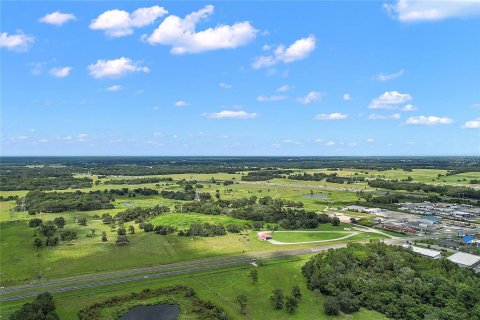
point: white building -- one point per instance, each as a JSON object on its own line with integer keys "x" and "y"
{"x": 466, "y": 260}
{"x": 434, "y": 254}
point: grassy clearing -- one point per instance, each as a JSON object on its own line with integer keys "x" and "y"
{"x": 184, "y": 220}
{"x": 308, "y": 236}
{"x": 211, "y": 285}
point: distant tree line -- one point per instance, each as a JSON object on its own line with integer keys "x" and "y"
{"x": 332, "y": 178}
{"x": 39, "y": 201}
{"x": 443, "y": 190}
{"x": 264, "y": 175}
{"x": 40, "y": 179}
{"x": 8, "y": 198}
{"x": 394, "y": 281}
{"x": 138, "y": 180}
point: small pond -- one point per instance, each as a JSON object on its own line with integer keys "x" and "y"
{"x": 164, "y": 311}
{"x": 317, "y": 196}
{"x": 127, "y": 204}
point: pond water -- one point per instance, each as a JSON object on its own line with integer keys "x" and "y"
{"x": 317, "y": 196}
{"x": 127, "y": 204}
{"x": 164, "y": 311}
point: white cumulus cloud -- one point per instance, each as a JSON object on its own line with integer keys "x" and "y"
{"x": 374, "y": 116}
{"x": 182, "y": 36}
{"x": 270, "y": 98}
{"x": 331, "y": 116}
{"x": 60, "y": 72}
{"x": 347, "y": 97}
{"x": 82, "y": 137}
{"x": 16, "y": 42}
{"x": 428, "y": 120}
{"x": 298, "y": 50}
{"x": 115, "y": 68}
{"x": 390, "y": 100}
{"x": 114, "y": 88}
{"x": 408, "y": 107}
{"x": 230, "y": 114}
{"x": 473, "y": 124}
{"x": 283, "y": 88}
{"x": 310, "y": 97}
{"x": 57, "y": 18}
{"x": 416, "y": 11}
{"x": 225, "y": 85}
{"x": 181, "y": 104}
{"x": 119, "y": 23}
{"x": 387, "y": 77}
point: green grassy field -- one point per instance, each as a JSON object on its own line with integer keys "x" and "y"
{"x": 184, "y": 220}
{"x": 285, "y": 236}
{"x": 221, "y": 287}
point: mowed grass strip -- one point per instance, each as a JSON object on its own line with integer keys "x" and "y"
{"x": 305, "y": 236}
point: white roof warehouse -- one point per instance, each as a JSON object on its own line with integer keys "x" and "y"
{"x": 465, "y": 260}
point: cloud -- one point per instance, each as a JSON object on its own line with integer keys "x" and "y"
{"x": 390, "y": 100}
{"x": 115, "y": 68}
{"x": 417, "y": 11}
{"x": 119, "y": 23}
{"x": 331, "y": 116}
{"x": 182, "y": 36}
{"x": 387, "y": 77}
{"x": 298, "y": 50}
{"x": 475, "y": 106}
{"x": 284, "y": 88}
{"x": 270, "y": 98}
{"x": 225, "y": 85}
{"x": 16, "y": 42}
{"x": 229, "y": 114}
{"x": 330, "y": 143}
{"x": 370, "y": 140}
{"x": 57, "y": 18}
{"x": 60, "y": 72}
{"x": 428, "y": 121}
{"x": 347, "y": 97}
{"x": 310, "y": 97}
{"x": 374, "y": 116}
{"x": 82, "y": 137}
{"x": 408, "y": 107}
{"x": 473, "y": 124}
{"x": 181, "y": 104}
{"x": 114, "y": 88}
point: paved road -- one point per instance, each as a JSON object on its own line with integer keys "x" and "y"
{"x": 138, "y": 274}
{"x": 165, "y": 270}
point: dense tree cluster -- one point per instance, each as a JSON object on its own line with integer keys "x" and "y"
{"x": 138, "y": 180}
{"x": 444, "y": 190}
{"x": 38, "y": 201}
{"x": 164, "y": 230}
{"x": 137, "y": 214}
{"x": 332, "y": 178}
{"x": 46, "y": 178}
{"x": 42, "y": 308}
{"x": 204, "y": 230}
{"x": 395, "y": 281}
{"x": 127, "y": 192}
{"x": 264, "y": 175}
{"x": 8, "y": 198}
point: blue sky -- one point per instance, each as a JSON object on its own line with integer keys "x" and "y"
{"x": 240, "y": 78}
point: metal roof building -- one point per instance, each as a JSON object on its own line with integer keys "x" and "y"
{"x": 465, "y": 259}
{"x": 434, "y": 254}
